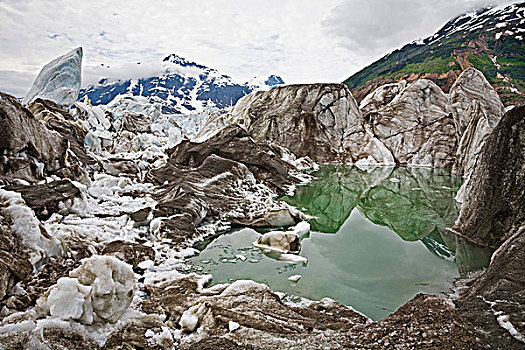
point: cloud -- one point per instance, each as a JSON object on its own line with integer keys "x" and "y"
{"x": 303, "y": 41}
{"x": 375, "y": 27}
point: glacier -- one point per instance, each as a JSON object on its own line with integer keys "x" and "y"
{"x": 59, "y": 80}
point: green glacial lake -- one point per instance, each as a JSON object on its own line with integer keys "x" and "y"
{"x": 376, "y": 241}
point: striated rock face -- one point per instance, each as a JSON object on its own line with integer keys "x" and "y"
{"x": 59, "y": 80}
{"x": 493, "y": 214}
{"x": 31, "y": 151}
{"x": 493, "y": 204}
{"x": 14, "y": 261}
{"x": 321, "y": 121}
{"x": 495, "y": 299}
{"x": 478, "y": 111}
{"x": 236, "y": 144}
{"x": 46, "y": 199}
{"x": 57, "y": 119}
{"x": 418, "y": 126}
{"x": 472, "y": 86}
{"x": 380, "y": 97}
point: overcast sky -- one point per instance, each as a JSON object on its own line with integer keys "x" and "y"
{"x": 302, "y": 41}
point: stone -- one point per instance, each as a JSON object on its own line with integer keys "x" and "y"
{"x": 472, "y": 86}
{"x": 14, "y": 261}
{"x": 417, "y": 126}
{"x": 493, "y": 199}
{"x": 48, "y": 198}
{"x": 321, "y": 121}
{"x": 29, "y": 150}
{"x": 380, "y": 97}
{"x": 59, "y": 80}
{"x": 131, "y": 253}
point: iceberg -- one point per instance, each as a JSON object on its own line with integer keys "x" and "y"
{"x": 59, "y": 80}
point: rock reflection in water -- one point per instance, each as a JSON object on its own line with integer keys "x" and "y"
{"x": 384, "y": 243}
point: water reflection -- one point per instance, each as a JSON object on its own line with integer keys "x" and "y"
{"x": 412, "y": 202}
{"x": 387, "y": 240}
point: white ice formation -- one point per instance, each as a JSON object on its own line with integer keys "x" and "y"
{"x": 101, "y": 289}
{"x": 59, "y": 80}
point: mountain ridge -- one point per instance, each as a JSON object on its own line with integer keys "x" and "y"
{"x": 490, "y": 39}
{"x": 182, "y": 88}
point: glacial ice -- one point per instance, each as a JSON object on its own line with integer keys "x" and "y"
{"x": 59, "y": 80}
{"x": 100, "y": 289}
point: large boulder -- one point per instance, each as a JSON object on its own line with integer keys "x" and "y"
{"x": 59, "y": 80}
{"x": 493, "y": 203}
{"x": 417, "y": 126}
{"x": 321, "y": 121}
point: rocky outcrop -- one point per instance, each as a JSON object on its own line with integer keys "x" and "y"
{"x": 469, "y": 87}
{"x": 57, "y": 119}
{"x": 235, "y": 143}
{"x": 493, "y": 303}
{"x": 493, "y": 204}
{"x": 380, "y": 97}
{"x": 30, "y": 151}
{"x": 59, "y": 80}
{"x": 417, "y": 126}
{"x": 478, "y": 110}
{"x": 14, "y": 261}
{"x": 493, "y": 214}
{"x": 321, "y": 121}
{"x": 48, "y": 198}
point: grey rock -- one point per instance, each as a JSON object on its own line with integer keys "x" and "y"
{"x": 14, "y": 261}
{"x": 46, "y": 199}
{"x": 321, "y": 121}
{"x": 29, "y": 150}
{"x": 494, "y": 195}
{"x": 469, "y": 87}
{"x": 380, "y": 97}
{"x": 497, "y": 296}
{"x": 417, "y": 126}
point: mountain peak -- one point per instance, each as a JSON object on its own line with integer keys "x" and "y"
{"x": 181, "y": 61}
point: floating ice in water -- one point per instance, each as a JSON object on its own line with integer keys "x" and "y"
{"x": 59, "y": 80}
{"x": 294, "y": 278}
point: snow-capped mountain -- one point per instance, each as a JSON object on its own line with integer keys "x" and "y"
{"x": 490, "y": 39}
{"x": 183, "y": 87}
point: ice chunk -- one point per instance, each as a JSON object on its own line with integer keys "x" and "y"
{"x": 26, "y": 226}
{"x": 294, "y": 278}
{"x": 70, "y": 300}
{"x": 190, "y": 318}
{"x": 59, "y": 80}
{"x": 232, "y": 325}
{"x": 112, "y": 282}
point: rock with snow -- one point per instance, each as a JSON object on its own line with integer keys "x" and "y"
{"x": 417, "y": 126}
{"x": 59, "y": 80}
{"x": 24, "y": 225}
